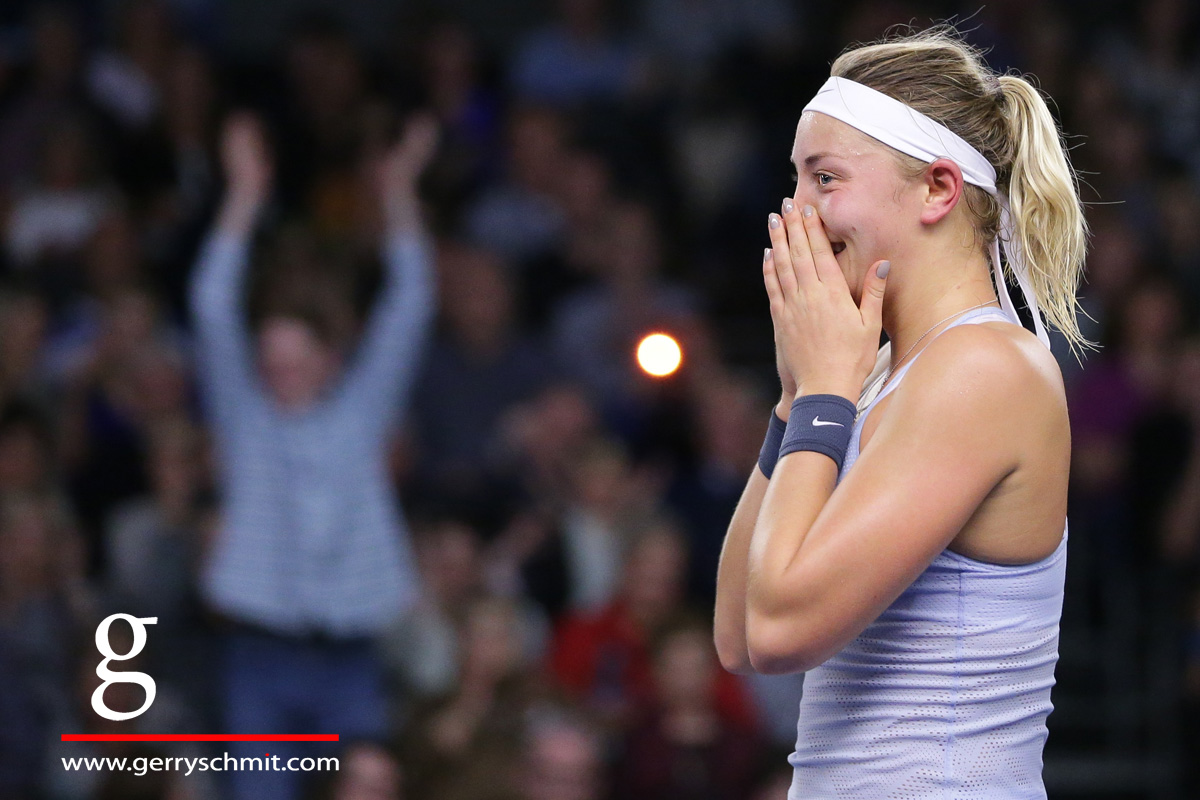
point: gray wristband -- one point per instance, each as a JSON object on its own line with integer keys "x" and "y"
{"x": 770, "y": 449}
{"x": 822, "y": 423}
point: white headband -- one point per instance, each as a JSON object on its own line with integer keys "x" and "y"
{"x": 898, "y": 126}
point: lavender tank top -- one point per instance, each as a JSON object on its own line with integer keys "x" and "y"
{"x": 946, "y": 694}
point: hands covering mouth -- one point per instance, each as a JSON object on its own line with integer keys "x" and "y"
{"x": 825, "y": 341}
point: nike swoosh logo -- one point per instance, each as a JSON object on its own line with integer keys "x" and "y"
{"x": 819, "y": 421}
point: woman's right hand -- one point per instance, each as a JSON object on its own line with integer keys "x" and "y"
{"x": 245, "y": 158}
{"x": 400, "y": 168}
{"x": 248, "y": 172}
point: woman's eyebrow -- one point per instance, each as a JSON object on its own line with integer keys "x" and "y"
{"x": 812, "y": 160}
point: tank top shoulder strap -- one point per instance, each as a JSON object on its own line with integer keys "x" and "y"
{"x": 972, "y": 317}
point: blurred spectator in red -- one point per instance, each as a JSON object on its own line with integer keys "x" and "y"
{"x": 685, "y": 747}
{"x": 603, "y": 657}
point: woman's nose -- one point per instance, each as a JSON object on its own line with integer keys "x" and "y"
{"x": 804, "y": 196}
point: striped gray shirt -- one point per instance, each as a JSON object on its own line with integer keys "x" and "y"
{"x": 311, "y": 538}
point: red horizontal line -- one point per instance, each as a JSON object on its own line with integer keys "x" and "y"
{"x": 199, "y": 737}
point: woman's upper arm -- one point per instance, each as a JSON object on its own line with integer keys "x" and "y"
{"x": 948, "y": 436}
{"x": 398, "y": 328}
{"x": 224, "y": 343}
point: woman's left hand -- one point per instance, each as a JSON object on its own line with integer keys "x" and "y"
{"x": 827, "y": 340}
{"x": 401, "y": 166}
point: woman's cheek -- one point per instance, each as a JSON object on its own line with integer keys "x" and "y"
{"x": 833, "y": 220}
{"x": 826, "y": 207}
{"x": 835, "y": 214}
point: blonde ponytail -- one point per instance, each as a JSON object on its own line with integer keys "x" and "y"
{"x": 1048, "y": 222}
{"x": 1006, "y": 119}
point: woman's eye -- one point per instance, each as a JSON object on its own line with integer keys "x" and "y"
{"x": 821, "y": 176}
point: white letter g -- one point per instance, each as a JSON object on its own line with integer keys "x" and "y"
{"x": 109, "y": 677}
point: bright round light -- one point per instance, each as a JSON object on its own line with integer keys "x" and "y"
{"x": 659, "y": 355}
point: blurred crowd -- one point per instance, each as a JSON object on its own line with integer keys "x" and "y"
{"x": 606, "y": 176}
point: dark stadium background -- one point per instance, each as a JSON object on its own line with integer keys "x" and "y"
{"x": 575, "y": 207}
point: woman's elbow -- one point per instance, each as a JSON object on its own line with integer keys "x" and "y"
{"x": 733, "y": 656}
{"x": 775, "y": 648}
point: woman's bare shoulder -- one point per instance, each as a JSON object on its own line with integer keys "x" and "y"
{"x": 989, "y": 385}
{"x": 1003, "y": 359}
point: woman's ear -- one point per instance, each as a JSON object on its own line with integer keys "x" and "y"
{"x": 943, "y": 188}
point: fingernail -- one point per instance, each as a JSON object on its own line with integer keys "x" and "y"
{"x": 773, "y": 221}
{"x": 808, "y": 211}
{"x": 766, "y": 255}
{"x": 787, "y": 205}
{"x": 883, "y": 269}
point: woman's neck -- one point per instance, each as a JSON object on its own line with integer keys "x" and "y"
{"x": 928, "y": 291}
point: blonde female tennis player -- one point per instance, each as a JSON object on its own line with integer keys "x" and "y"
{"x": 903, "y": 540}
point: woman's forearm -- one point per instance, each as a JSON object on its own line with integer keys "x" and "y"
{"x": 729, "y": 620}
{"x": 729, "y": 623}
{"x": 238, "y": 214}
{"x": 800, "y": 486}
{"x": 222, "y": 260}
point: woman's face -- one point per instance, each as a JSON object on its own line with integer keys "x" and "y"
{"x": 855, "y": 183}
{"x": 296, "y": 364}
